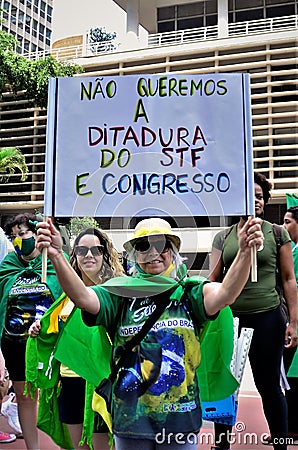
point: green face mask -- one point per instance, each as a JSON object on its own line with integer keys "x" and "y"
{"x": 24, "y": 247}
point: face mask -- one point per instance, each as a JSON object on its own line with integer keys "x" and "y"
{"x": 24, "y": 247}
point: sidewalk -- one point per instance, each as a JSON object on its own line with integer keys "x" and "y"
{"x": 248, "y": 430}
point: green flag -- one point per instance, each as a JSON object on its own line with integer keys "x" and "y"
{"x": 292, "y": 200}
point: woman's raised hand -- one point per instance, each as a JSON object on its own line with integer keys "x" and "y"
{"x": 48, "y": 237}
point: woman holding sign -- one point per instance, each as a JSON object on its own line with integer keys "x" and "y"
{"x": 95, "y": 260}
{"x": 155, "y": 399}
{"x": 258, "y": 307}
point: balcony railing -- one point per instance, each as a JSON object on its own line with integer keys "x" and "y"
{"x": 175, "y": 37}
{"x": 263, "y": 26}
{"x": 183, "y": 36}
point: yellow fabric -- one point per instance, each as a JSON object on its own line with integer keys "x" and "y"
{"x": 151, "y": 231}
{"x": 99, "y": 405}
{"x": 168, "y": 271}
{"x": 53, "y": 326}
{"x": 17, "y": 242}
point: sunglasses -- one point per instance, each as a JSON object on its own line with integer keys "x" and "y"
{"x": 82, "y": 250}
{"x": 144, "y": 245}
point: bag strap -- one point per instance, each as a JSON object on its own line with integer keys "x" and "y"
{"x": 124, "y": 349}
{"x": 277, "y": 231}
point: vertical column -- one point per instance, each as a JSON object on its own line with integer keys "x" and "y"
{"x": 223, "y": 20}
{"x": 132, "y": 24}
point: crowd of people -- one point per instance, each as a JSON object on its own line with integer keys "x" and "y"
{"x": 156, "y": 390}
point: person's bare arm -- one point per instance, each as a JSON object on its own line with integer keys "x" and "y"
{"x": 290, "y": 292}
{"x": 219, "y": 295}
{"x": 216, "y": 265}
{"x": 2, "y": 367}
{"x": 83, "y": 297}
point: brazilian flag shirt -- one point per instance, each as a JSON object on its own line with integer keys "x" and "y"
{"x": 28, "y": 299}
{"x": 156, "y": 392}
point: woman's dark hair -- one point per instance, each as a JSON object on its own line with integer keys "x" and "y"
{"x": 262, "y": 181}
{"x": 294, "y": 211}
{"x": 111, "y": 266}
{"x": 26, "y": 219}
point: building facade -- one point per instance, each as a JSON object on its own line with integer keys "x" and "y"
{"x": 30, "y": 21}
{"x": 258, "y": 37}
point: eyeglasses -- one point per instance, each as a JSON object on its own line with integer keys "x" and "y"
{"x": 145, "y": 245}
{"x": 82, "y": 250}
{"x": 20, "y": 234}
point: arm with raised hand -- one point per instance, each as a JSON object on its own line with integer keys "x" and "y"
{"x": 219, "y": 295}
{"x": 83, "y": 297}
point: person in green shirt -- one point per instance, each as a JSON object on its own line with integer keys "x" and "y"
{"x": 25, "y": 297}
{"x": 291, "y": 225}
{"x": 258, "y": 307}
{"x": 95, "y": 260}
{"x": 166, "y": 410}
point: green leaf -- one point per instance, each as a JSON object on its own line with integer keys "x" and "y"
{"x": 12, "y": 159}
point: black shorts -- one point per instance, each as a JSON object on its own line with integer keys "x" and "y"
{"x": 14, "y": 354}
{"x": 72, "y": 400}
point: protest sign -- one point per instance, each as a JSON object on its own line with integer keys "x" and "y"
{"x": 145, "y": 145}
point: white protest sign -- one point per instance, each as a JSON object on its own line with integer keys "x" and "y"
{"x": 145, "y": 145}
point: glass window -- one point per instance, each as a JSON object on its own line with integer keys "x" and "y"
{"x": 188, "y": 15}
{"x": 6, "y": 6}
{"x": 211, "y": 20}
{"x": 190, "y": 9}
{"x": 244, "y": 4}
{"x": 277, "y": 2}
{"x": 35, "y": 24}
{"x": 50, "y": 11}
{"x": 251, "y": 14}
{"x": 49, "y": 14}
{"x": 195, "y": 22}
{"x": 163, "y": 27}
{"x": 166, "y": 13}
{"x": 279, "y": 11}
{"x": 211, "y": 7}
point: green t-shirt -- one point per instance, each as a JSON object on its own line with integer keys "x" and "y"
{"x": 295, "y": 258}
{"x": 261, "y": 295}
{"x": 169, "y": 356}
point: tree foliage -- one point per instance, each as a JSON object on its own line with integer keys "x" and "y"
{"x": 17, "y": 73}
{"x": 78, "y": 224}
{"x": 100, "y": 35}
{"x": 11, "y": 159}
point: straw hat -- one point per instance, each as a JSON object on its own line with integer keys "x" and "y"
{"x": 152, "y": 227}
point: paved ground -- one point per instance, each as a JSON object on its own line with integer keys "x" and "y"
{"x": 248, "y": 430}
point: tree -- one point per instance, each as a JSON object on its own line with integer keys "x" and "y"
{"x": 11, "y": 159}
{"x": 101, "y": 36}
{"x": 17, "y": 73}
{"x": 78, "y": 224}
